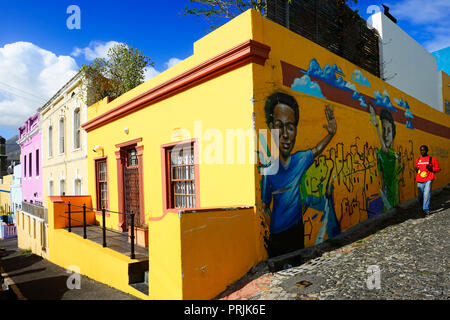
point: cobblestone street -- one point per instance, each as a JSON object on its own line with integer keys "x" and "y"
{"x": 411, "y": 252}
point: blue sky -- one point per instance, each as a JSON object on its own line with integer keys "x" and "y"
{"x": 38, "y": 53}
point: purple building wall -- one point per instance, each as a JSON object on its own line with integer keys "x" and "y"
{"x": 31, "y": 159}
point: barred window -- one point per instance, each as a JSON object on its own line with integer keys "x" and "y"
{"x": 102, "y": 184}
{"x": 181, "y": 177}
{"x": 132, "y": 159}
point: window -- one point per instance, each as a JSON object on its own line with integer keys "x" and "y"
{"x": 62, "y": 187}
{"x": 24, "y": 166}
{"x": 30, "y": 164}
{"x": 77, "y": 187}
{"x": 447, "y": 107}
{"x": 181, "y": 177}
{"x": 37, "y": 162}
{"x": 76, "y": 129}
{"x": 102, "y": 184}
{"x": 132, "y": 159}
{"x": 61, "y": 135}
{"x": 50, "y": 188}
{"x": 50, "y": 138}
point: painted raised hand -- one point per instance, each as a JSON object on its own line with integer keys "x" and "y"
{"x": 331, "y": 126}
{"x": 373, "y": 116}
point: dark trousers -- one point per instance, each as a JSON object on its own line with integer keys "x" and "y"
{"x": 287, "y": 241}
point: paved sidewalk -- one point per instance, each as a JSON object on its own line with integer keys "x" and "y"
{"x": 38, "y": 279}
{"x": 412, "y": 253}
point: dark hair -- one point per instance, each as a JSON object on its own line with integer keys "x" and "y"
{"x": 280, "y": 97}
{"x": 386, "y": 115}
{"x": 423, "y": 146}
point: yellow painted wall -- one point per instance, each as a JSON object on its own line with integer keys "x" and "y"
{"x": 165, "y": 276}
{"x": 5, "y": 197}
{"x": 31, "y": 234}
{"x": 229, "y": 251}
{"x": 219, "y": 104}
{"x": 68, "y": 249}
{"x": 353, "y": 146}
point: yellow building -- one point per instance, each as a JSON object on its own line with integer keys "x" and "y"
{"x": 64, "y": 155}
{"x": 5, "y": 194}
{"x": 188, "y": 152}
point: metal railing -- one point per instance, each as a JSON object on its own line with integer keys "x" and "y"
{"x": 86, "y": 209}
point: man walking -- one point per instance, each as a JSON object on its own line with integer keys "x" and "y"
{"x": 426, "y": 167}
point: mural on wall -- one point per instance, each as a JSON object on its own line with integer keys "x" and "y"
{"x": 387, "y": 158}
{"x": 408, "y": 114}
{"x": 320, "y": 192}
{"x": 280, "y": 192}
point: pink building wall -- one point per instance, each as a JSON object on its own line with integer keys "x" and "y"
{"x": 30, "y": 144}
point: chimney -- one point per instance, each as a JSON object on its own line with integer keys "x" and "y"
{"x": 387, "y": 14}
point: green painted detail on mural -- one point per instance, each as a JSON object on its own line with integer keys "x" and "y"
{"x": 389, "y": 166}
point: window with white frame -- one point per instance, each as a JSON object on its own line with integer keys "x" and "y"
{"x": 77, "y": 129}
{"x": 77, "y": 187}
{"x": 50, "y": 139}
{"x": 61, "y": 135}
{"x": 50, "y": 188}
{"x": 62, "y": 187}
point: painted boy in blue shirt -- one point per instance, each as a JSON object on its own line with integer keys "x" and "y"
{"x": 286, "y": 218}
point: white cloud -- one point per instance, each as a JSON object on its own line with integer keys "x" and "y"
{"x": 433, "y": 16}
{"x": 441, "y": 39}
{"x": 306, "y": 85}
{"x": 29, "y": 76}
{"x": 172, "y": 61}
{"x": 96, "y": 49}
{"x": 150, "y": 72}
{"x": 421, "y": 12}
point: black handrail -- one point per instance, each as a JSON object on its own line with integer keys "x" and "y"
{"x": 84, "y": 222}
{"x": 70, "y": 220}
{"x": 103, "y": 227}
